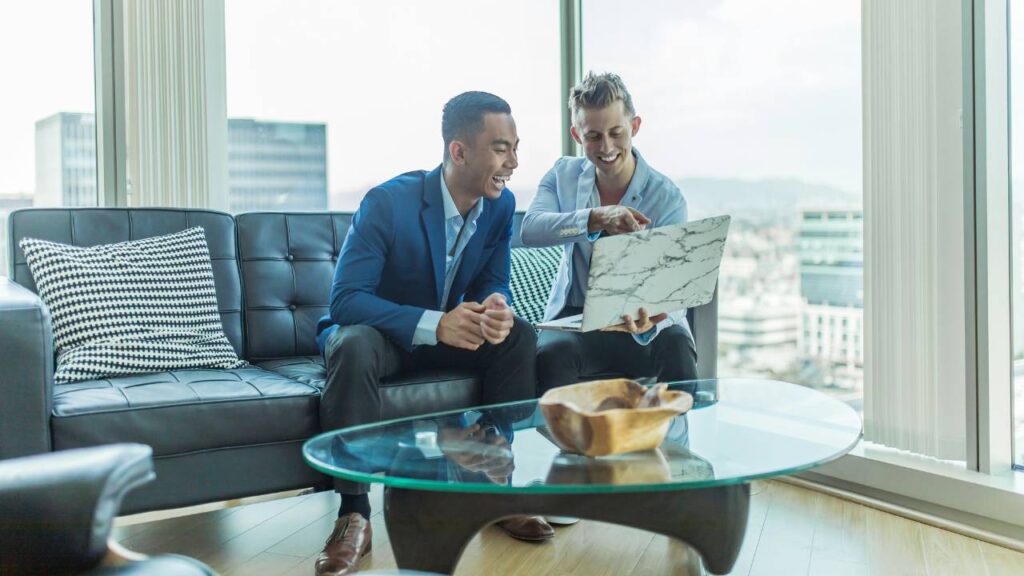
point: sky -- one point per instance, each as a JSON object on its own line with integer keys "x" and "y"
{"x": 46, "y": 66}
{"x": 739, "y": 88}
{"x": 379, "y": 74}
{"x": 726, "y": 88}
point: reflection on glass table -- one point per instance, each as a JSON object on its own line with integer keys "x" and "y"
{"x": 500, "y": 462}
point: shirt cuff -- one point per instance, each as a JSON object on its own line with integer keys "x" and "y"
{"x": 644, "y": 338}
{"x": 426, "y": 329}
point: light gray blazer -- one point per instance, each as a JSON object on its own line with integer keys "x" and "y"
{"x": 559, "y": 214}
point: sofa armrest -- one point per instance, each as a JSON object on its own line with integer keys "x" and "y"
{"x": 58, "y": 508}
{"x": 26, "y": 372}
{"x": 704, "y": 323}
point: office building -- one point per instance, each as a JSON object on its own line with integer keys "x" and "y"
{"x": 276, "y": 165}
{"x": 831, "y": 250}
{"x": 66, "y": 160}
{"x": 758, "y": 335}
{"x": 271, "y": 165}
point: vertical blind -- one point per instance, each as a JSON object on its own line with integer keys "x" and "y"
{"x": 175, "y": 106}
{"x": 914, "y": 268}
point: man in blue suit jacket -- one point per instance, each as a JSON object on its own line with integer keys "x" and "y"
{"x": 423, "y": 282}
{"x": 610, "y": 191}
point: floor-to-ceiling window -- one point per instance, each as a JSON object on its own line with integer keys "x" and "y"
{"x": 326, "y": 98}
{"x": 1016, "y": 46}
{"x": 754, "y": 109}
{"x": 47, "y": 127}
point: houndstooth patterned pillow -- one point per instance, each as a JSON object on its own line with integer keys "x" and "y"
{"x": 130, "y": 308}
{"x": 533, "y": 272}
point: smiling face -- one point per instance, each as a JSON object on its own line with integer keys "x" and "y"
{"x": 485, "y": 164}
{"x": 607, "y": 138}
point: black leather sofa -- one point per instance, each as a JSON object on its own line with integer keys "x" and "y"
{"x": 215, "y": 434}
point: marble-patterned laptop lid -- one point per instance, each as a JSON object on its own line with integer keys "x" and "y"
{"x": 663, "y": 269}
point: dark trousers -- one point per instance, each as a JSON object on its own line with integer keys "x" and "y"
{"x": 571, "y": 357}
{"x": 360, "y": 357}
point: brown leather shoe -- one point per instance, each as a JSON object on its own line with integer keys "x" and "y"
{"x": 351, "y": 540}
{"x": 527, "y": 528}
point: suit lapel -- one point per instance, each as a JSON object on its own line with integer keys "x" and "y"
{"x": 432, "y": 216}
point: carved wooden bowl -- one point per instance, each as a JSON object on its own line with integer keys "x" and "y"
{"x": 611, "y": 416}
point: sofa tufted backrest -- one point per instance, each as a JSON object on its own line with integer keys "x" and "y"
{"x": 287, "y": 262}
{"x": 93, "y": 226}
{"x": 283, "y": 261}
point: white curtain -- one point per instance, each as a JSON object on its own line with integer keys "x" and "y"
{"x": 175, "y": 108}
{"x": 914, "y": 295}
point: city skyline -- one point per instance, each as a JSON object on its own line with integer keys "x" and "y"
{"x": 706, "y": 196}
{"x": 270, "y": 165}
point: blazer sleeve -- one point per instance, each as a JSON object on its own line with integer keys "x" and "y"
{"x": 495, "y": 274}
{"x": 545, "y": 223}
{"x": 360, "y": 266}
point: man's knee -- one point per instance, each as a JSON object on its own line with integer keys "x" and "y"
{"x": 522, "y": 336}
{"x": 520, "y": 345}
{"x": 675, "y": 356}
{"x": 354, "y": 350}
{"x": 353, "y": 340}
{"x": 356, "y": 363}
{"x": 559, "y": 360}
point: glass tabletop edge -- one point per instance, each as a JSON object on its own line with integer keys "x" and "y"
{"x": 383, "y": 423}
{"x": 436, "y": 486}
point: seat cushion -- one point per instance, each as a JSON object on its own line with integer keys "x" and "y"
{"x": 185, "y": 410}
{"x": 407, "y": 394}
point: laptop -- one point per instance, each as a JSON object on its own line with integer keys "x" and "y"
{"x": 662, "y": 269}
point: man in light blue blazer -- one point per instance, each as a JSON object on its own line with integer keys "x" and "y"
{"x": 422, "y": 281}
{"x": 611, "y": 190}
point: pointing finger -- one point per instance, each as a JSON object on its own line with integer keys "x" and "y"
{"x": 639, "y": 216}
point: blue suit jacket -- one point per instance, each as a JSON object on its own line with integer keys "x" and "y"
{"x": 391, "y": 266}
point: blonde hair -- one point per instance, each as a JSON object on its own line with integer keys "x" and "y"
{"x": 599, "y": 91}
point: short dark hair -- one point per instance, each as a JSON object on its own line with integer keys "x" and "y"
{"x": 463, "y": 115}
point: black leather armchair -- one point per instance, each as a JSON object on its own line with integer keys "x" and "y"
{"x": 57, "y": 510}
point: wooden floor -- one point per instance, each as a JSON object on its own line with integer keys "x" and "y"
{"x": 792, "y": 531}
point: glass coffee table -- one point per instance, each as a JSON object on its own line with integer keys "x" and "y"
{"x": 448, "y": 475}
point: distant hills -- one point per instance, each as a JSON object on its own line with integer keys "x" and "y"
{"x": 761, "y": 200}
{"x": 758, "y": 201}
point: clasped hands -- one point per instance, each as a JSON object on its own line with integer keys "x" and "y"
{"x": 470, "y": 324}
